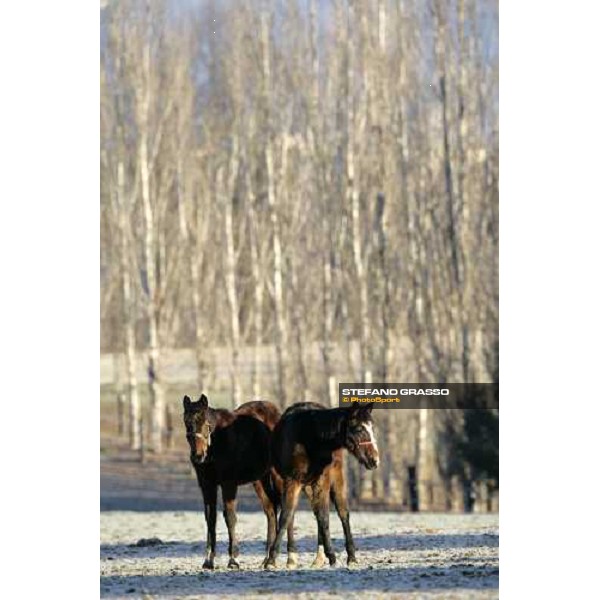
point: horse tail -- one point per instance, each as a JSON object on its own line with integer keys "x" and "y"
{"x": 273, "y": 486}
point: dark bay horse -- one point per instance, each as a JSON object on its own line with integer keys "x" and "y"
{"x": 229, "y": 449}
{"x": 333, "y": 485}
{"x": 305, "y": 447}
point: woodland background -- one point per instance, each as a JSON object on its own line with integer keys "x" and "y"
{"x": 296, "y": 193}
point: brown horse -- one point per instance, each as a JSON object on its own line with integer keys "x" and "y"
{"x": 229, "y": 449}
{"x": 332, "y": 485}
{"x": 332, "y": 481}
{"x": 304, "y": 447}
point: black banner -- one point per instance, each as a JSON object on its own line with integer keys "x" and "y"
{"x": 420, "y": 395}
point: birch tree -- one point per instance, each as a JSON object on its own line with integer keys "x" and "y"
{"x": 281, "y": 329}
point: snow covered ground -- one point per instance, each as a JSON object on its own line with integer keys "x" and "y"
{"x": 400, "y": 555}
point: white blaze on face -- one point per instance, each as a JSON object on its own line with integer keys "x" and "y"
{"x": 369, "y": 429}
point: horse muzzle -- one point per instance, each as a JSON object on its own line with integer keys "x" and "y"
{"x": 368, "y": 455}
{"x": 372, "y": 462}
{"x": 198, "y": 459}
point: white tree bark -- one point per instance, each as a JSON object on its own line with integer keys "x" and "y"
{"x": 258, "y": 292}
{"x": 281, "y": 333}
{"x": 230, "y": 274}
{"x": 192, "y": 249}
{"x": 299, "y": 325}
{"x": 424, "y": 470}
{"x": 129, "y": 315}
{"x": 353, "y": 199}
{"x": 150, "y": 256}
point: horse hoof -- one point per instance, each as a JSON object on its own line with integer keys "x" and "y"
{"x": 331, "y": 560}
{"x": 269, "y": 565}
{"x": 352, "y": 562}
{"x": 318, "y": 563}
{"x": 319, "y": 558}
{"x": 292, "y": 560}
{"x": 233, "y": 564}
{"x": 208, "y": 564}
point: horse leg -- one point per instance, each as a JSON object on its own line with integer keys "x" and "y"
{"x": 320, "y": 557}
{"x": 339, "y": 495}
{"x": 270, "y": 508}
{"x": 320, "y": 506}
{"x": 292, "y": 550}
{"x": 209, "y": 492}
{"x": 319, "y": 560}
{"x": 290, "y": 501}
{"x": 229, "y": 491}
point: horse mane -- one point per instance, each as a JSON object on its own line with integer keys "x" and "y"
{"x": 262, "y": 410}
{"x": 331, "y": 424}
{"x": 327, "y": 424}
{"x": 220, "y": 417}
{"x": 301, "y": 406}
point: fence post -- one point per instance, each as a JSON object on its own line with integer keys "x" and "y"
{"x": 142, "y": 440}
{"x": 457, "y": 496}
{"x": 493, "y": 499}
{"x": 481, "y": 501}
{"x": 121, "y": 414}
{"x": 413, "y": 489}
{"x": 169, "y": 425}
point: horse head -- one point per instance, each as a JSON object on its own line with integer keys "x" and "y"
{"x": 360, "y": 437}
{"x": 198, "y": 427}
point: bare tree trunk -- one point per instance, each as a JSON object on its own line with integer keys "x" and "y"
{"x": 350, "y": 363}
{"x": 192, "y": 257}
{"x": 465, "y": 197}
{"x": 315, "y": 135}
{"x": 314, "y": 60}
{"x": 387, "y": 475}
{"x": 201, "y": 333}
{"x": 230, "y": 275}
{"x": 449, "y": 176}
{"x": 384, "y": 193}
{"x": 281, "y": 335}
{"x": 327, "y": 330}
{"x": 119, "y": 393}
{"x": 281, "y": 340}
{"x": 257, "y": 309}
{"x": 156, "y": 390}
{"x": 129, "y": 314}
{"x": 198, "y": 332}
{"x": 353, "y": 199}
{"x": 425, "y": 466}
{"x": 299, "y": 325}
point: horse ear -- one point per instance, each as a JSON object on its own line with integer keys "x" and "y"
{"x": 369, "y": 407}
{"x": 353, "y": 410}
{"x": 203, "y": 400}
{"x": 187, "y": 402}
{"x": 363, "y": 412}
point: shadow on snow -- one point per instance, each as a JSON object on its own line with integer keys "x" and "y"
{"x": 405, "y": 541}
{"x": 458, "y": 576}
